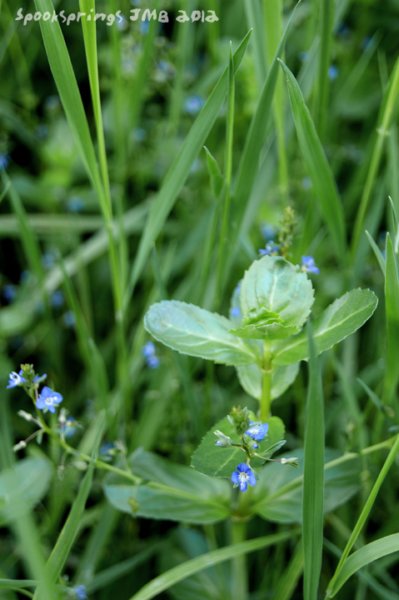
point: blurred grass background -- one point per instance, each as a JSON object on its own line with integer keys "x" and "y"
{"x": 109, "y": 202}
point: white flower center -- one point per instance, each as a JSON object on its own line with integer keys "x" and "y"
{"x": 50, "y": 401}
{"x": 243, "y": 477}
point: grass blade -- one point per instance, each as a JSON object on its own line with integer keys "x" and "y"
{"x": 331, "y": 590}
{"x": 180, "y": 169}
{"x": 167, "y": 580}
{"x": 68, "y": 534}
{"x": 313, "y": 478}
{"x": 363, "y": 557}
{"x": 317, "y": 164}
{"x": 384, "y": 123}
{"x": 392, "y": 322}
{"x": 64, "y": 77}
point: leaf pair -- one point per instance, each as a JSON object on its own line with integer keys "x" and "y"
{"x": 272, "y": 303}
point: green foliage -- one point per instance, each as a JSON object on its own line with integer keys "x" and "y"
{"x": 23, "y": 486}
{"x": 278, "y": 495}
{"x": 275, "y": 300}
{"x": 173, "y": 492}
{"x": 221, "y": 462}
{"x": 342, "y": 318}
{"x": 197, "y": 332}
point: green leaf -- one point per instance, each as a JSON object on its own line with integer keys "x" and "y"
{"x": 64, "y": 77}
{"x": 197, "y": 332}
{"x": 317, "y": 164}
{"x": 342, "y": 318}
{"x": 170, "y": 578}
{"x": 313, "y": 478}
{"x": 278, "y": 493}
{"x": 22, "y": 487}
{"x": 363, "y": 557}
{"x": 250, "y": 377}
{"x": 174, "y": 492}
{"x": 215, "y": 173}
{"x": 275, "y": 299}
{"x": 221, "y": 462}
{"x": 392, "y": 322}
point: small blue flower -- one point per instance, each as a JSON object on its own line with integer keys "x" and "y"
{"x": 333, "y": 72}
{"x": 193, "y": 104}
{"x": 268, "y": 232}
{"x": 242, "y": 476}
{"x": 9, "y": 292}
{"x": 48, "y": 400}
{"x": 257, "y": 431}
{"x": 57, "y": 299}
{"x": 144, "y": 27}
{"x": 306, "y": 183}
{"x": 150, "y": 356}
{"x": 75, "y": 204}
{"x": 271, "y": 249}
{"x": 235, "y": 312}
{"x": 80, "y": 592}
{"x": 15, "y": 379}
{"x": 40, "y": 378}
{"x": 309, "y": 265}
{"x": 4, "y": 161}
{"x": 69, "y": 319}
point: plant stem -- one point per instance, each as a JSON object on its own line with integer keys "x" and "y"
{"x": 239, "y": 576}
{"x": 266, "y": 398}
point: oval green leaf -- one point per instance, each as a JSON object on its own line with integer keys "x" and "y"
{"x": 197, "y": 332}
{"x": 22, "y": 487}
{"x": 342, "y": 318}
{"x": 275, "y": 299}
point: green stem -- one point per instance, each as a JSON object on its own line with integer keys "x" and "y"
{"x": 239, "y": 578}
{"x": 86, "y": 457}
{"x": 266, "y": 399}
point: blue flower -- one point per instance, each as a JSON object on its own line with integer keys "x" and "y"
{"x": 69, "y": 427}
{"x": 268, "y": 232}
{"x": 257, "y": 431}
{"x": 144, "y": 27}
{"x": 309, "y": 265}
{"x": 75, "y": 204}
{"x": 4, "y": 160}
{"x": 69, "y": 319}
{"x": 80, "y": 592}
{"x": 15, "y": 379}
{"x": 9, "y": 292}
{"x": 48, "y": 400}
{"x": 242, "y": 476}
{"x": 57, "y": 299}
{"x": 235, "y": 312}
{"x": 150, "y": 356}
{"x": 40, "y": 378}
{"x": 333, "y": 72}
{"x": 193, "y": 104}
{"x": 271, "y": 249}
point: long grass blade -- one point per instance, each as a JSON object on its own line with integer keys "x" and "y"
{"x": 363, "y": 557}
{"x": 180, "y": 169}
{"x": 167, "y": 580}
{"x": 363, "y": 516}
{"x": 317, "y": 164}
{"x": 313, "y": 478}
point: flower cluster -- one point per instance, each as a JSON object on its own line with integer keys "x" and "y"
{"x": 150, "y": 356}
{"x": 47, "y": 400}
{"x": 309, "y": 265}
{"x": 250, "y": 432}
